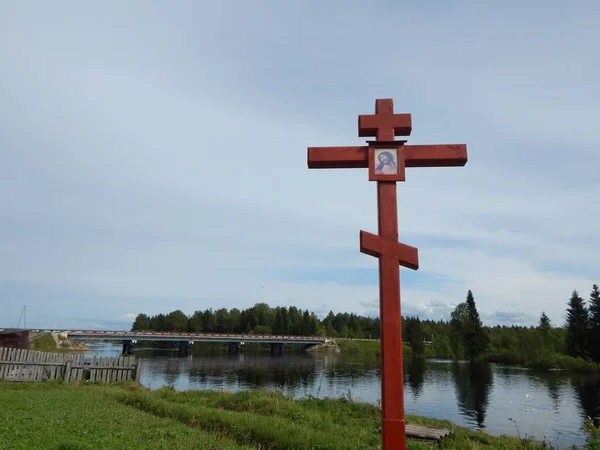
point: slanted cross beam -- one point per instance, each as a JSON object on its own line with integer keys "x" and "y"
{"x": 386, "y": 160}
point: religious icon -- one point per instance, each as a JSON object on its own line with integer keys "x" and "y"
{"x": 386, "y": 161}
{"x": 386, "y": 164}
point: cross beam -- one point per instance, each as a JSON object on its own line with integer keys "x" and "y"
{"x": 442, "y": 155}
{"x": 375, "y": 245}
{"x": 384, "y": 124}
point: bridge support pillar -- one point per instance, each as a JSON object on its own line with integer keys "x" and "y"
{"x": 301, "y": 348}
{"x": 127, "y": 347}
{"x": 184, "y": 348}
{"x": 276, "y": 349}
{"x": 233, "y": 348}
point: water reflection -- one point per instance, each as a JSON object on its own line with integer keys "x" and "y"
{"x": 555, "y": 383}
{"x": 587, "y": 389}
{"x": 473, "y": 382}
{"x": 546, "y": 405}
{"x": 415, "y": 376}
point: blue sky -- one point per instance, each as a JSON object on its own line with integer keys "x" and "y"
{"x": 153, "y": 156}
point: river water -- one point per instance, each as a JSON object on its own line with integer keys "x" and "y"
{"x": 497, "y": 399}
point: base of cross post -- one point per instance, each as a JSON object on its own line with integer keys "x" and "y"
{"x": 394, "y": 434}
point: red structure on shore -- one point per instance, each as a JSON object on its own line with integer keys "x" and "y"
{"x": 386, "y": 159}
{"x": 14, "y": 339}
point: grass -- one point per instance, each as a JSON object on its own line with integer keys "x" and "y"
{"x": 66, "y": 417}
{"x": 59, "y": 416}
{"x": 350, "y": 347}
{"x": 46, "y": 343}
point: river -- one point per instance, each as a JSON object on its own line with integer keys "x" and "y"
{"x": 497, "y": 399}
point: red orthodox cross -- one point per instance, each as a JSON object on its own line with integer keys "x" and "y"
{"x": 386, "y": 160}
{"x": 384, "y": 124}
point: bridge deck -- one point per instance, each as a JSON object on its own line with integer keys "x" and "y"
{"x": 192, "y": 337}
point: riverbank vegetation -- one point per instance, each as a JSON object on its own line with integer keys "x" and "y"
{"x": 55, "y": 343}
{"x": 574, "y": 345}
{"x": 132, "y": 417}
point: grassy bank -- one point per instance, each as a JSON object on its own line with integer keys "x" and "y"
{"x": 47, "y": 343}
{"x": 540, "y": 361}
{"x": 544, "y": 361}
{"x": 58, "y": 416}
{"x": 354, "y": 347}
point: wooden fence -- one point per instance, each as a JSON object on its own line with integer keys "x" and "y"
{"x": 28, "y": 365}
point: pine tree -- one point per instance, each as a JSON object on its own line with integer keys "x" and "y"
{"x": 475, "y": 337}
{"x": 544, "y": 323}
{"x": 415, "y": 336}
{"x": 577, "y": 327}
{"x": 594, "y": 323}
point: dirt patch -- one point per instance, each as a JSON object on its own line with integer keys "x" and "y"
{"x": 329, "y": 346}
{"x": 63, "y": 342}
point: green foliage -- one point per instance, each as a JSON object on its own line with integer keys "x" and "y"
{"x": 415, "y": 336}
{"x": 468, "y": 335}
{"x": 593, "y": 434}
{"x": 53, "y": 416}
{"x": 544, "y": 323}
{"x": 262, "y": 319}
{"x": 350, "y": 347}
{"x": 594, "y": 323}
{"x": 577, "y": 327}
{"x": 127, "y": 416}
{"x": 463, "y": 337}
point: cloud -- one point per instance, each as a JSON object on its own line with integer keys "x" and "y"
{"x": 509, "y": 317}
{"x": 155, "y": 159}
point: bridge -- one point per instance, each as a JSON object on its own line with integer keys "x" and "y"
{"x": 233, "y": 341}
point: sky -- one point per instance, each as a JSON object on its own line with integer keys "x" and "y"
{"x": 153, "y": 156}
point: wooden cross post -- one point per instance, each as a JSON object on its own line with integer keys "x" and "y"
{"x": 386, "y": 160}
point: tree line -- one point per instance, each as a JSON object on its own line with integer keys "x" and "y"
{"x": 576, "y": 344}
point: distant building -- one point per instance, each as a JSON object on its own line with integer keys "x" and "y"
{"x": 14, "y": 339}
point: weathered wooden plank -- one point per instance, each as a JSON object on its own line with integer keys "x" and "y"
{"x": 52, "y": 359}
{"x": 111, "y": 372}
{"x": 122, "y": 369}
{"x": 79, "y": 370}
{"x": 106, "y": 370}
{"x": 39, "y": 370}
{"x": 81, "y": 362}
{"x": 103, "y": 371}
{"x": 67, "y": 373}
{"x": 28, "y": 367}
{"x": 119, "y": 373}
{"x": 93, "y": 368}
{"x": 115, "y": 371}
{"x": 425, "y": 432}
{"x": 16, "y": 375}
{"x": 3, "y": 355}
{"x": 138, "y": 370}
{"x": 45, "y": 369}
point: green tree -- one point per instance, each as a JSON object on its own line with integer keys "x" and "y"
{"x": 441, "y": 346}
{"x": 222, "y": 322}
{"x": 577, "y": 327}
{"x": 458, "y": 327}
{"x": 176, "y": 321}
{"x": 594, "y": 323}
{"x": 475, "y": 338}
{"x": 195, "y": 322}
{"x": 544, "y": 325}
{"x": 415, "y": 336}
{"x": 141, "y": 323}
